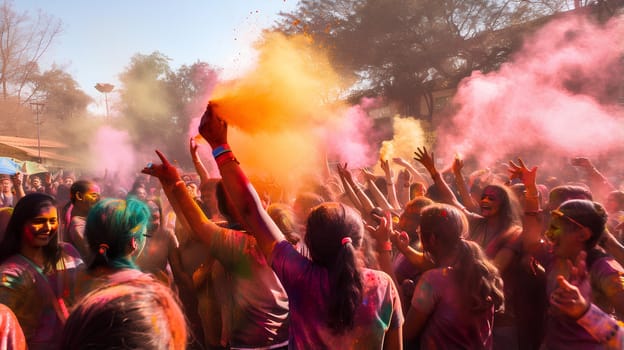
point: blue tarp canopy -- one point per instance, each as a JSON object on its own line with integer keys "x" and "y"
{"x": 8, "y": 166}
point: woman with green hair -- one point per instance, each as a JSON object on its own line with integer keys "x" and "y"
{"x": 116, "y": 231}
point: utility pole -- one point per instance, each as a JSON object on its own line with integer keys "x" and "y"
{"x": 38, "y": 107}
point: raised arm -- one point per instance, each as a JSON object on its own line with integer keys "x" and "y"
{"x": 185, "y": 208}
{"x": 236, "y": 184}
{"x": 392, "y": 196}
{"x": 460, "y": 182}
{"x": 416, "y": 175}
{"x": 427, "y": 160}
{"x": 199, "y": 166}
{"x": 402, "y": 187}
{"x": 612, "y": 246}
{"x": 381, "y": 233}
{"x": 531, "y": 223}
{"x": 17, "y": 186}
{"x": 598, "y": 183}
{"x": 366, "y": 205}
{"x": 348, "y": 190}
{"x": 376, "y": 193}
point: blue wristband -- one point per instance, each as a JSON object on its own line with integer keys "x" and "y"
{"x": 219, "y": 150}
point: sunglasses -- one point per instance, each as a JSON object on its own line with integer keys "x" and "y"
{"x": 559, "y": 214}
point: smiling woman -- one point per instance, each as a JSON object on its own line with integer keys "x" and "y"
{"x": 37, "y": 274}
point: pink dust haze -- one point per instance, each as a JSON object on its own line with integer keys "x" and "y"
{"x": 112, "y": 152}
{"x": 549, "y": 100}
{"x": 207, "y": 78}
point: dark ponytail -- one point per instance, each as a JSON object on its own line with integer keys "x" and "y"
{"x": 345, "y": 279}
{"x": 334, "y": 232}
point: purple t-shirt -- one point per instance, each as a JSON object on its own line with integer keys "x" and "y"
{"x": 450, "y": 324}
{"x": 606, "y": 281}
{"x": 307, "y": 286}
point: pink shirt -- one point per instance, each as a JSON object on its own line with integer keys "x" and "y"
{"x": 307, "y": 286}
{"x": 450, "y": 325}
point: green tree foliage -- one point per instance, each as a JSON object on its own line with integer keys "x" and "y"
{"x": 156, "y": 102}
{"x": 59, "y": 92}
{"x": 405, "y": 49}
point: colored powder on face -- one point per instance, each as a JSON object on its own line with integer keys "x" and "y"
{"x": 549, "y": 100}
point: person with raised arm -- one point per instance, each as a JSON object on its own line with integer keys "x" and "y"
{"x": 258, "y": 318}
{"x": 574, "y": 229}
{"x": 454, "y": 302}
{"x": 377, "y": 195}
{"x": 416, "y": 175}
{"x": 497, "y": 229}
{"x": 462, "y": 188}
{"x": 334, "y": 303}
{"x": 390, "y": 184}
{"x": 356, "y": 194}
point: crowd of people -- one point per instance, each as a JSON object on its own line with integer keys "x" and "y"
{"x": 426, "y": 258}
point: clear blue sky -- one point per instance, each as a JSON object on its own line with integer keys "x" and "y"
{"x": 100, "y": 37}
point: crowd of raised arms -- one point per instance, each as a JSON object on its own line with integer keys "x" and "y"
{"x": 451, "y": 258}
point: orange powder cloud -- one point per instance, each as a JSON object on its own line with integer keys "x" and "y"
{"x": 285, "y": 114}
{"x": 289, "y": 88}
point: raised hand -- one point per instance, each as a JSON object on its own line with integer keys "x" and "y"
{"x": 426, "y": 159}
{"x": 522, "y": 172}
{"x": 17, "y": 179}
{"x": 212, "y": 128}
{"x": 400, "y": 240}
{"x": 404, "y": 176}
{"x": 165, "y": 172}
{"x": 458, "y": 164}
{"x": 384, "y": 230}
{"x": 344, "y": 172}
{"x": 568, "y": 299}
{"x": 193, "y": 147}
{"x": 385, "y": 166}
{"x": 368, "y": 175}
{"x": 400, "y": 161}
{"x": 582, "y": 162}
